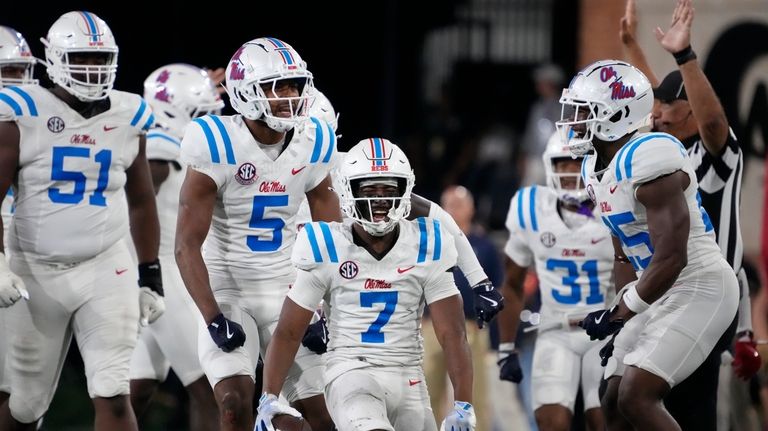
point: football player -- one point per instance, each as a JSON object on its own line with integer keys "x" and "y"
{"x": 678, "y": 292}
{"x": 247, "y": 175}
{"x": 77, "y": 155}
{"x": 177, "y": 94}
{"x": 554, "y": 227}
{"x": 376, "y": 272}
{"x": 17, "y": 66}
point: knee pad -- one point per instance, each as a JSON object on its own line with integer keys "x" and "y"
{"x": 28, "y": 409}
{"x": 106, "y": 384}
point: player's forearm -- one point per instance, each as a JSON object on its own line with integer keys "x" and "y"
{"x": 280, "y": 356}
{"x": 509, "y": 316}
{"x": 145, "y": 228}
{"x": 458, "y": 362}
{"x": 661, "y": 275}
{"x": 467, "y": 261}
{"x": 623, "y": 274}
{"x": 195, "y": 276}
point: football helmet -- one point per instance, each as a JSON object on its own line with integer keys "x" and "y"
{"x": 607, "y": 100}
{"x": 557, "y": 150}
{"x": 14, "y": 51}
{"x": 81, "y": 33}
{"x": 265, "y": 62}
{"x": 320, "y": 107}
{"x": 178, "y": 93}
{"x": 374, "y": 160}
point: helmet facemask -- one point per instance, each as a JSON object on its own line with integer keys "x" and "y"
{"x": 17, "y": 72}
{"x": 569, "y": 186}
{"x": 578, "y": 122}
{"x": 258, "y": 105}
{"x": 87, "y": 82}
{"x": 377, "y": 203}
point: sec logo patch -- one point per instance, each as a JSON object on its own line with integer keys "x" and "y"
{"x": 348, "y": 270}
{"x": 246, "y": 174}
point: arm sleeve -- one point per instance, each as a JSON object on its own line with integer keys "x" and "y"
{"x": 467, "y": 260}
{"x": 517, "y": 245}
{"x": 439, "y": 283}
{"x": 196, "y": 154}
{"x": 308, "y": 289}
{"x": 323, "y": 153}
{"x": 649, "y": 157}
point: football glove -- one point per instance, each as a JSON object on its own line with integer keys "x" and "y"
{"x": 228, "y": 335}
{"x": 316, "y": 336}
{"x": 151, "y": 303}
{"x": 11, "y": 285}
{"x": 462, "y": 418}
{"x": 598, "y": 324}
{"x": 509, "y": 366}
{"x": 269, "y": 407}
{"x": 746, "y": 358}
{"x": 488, "y": 302}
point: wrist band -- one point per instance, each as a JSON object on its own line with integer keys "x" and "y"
{"x": 506, "y": 347}
{"x": 684, "y": 56}
{"x": 633, "y": 301}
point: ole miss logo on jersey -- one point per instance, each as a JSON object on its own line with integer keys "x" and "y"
{"x": 246, "y": 174}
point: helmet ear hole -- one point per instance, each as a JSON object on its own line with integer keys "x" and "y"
{"x": 616, "y": 117}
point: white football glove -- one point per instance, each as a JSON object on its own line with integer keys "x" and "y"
{"x": 462, "y": 418}
{"x": 11, "y": 286}
{"x": 269, "y": 407}
{"x": 151, "y": 305}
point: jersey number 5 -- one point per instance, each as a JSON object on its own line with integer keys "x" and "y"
{"x": 260, "y": 204}
{"x": 367, "y": 299}
{"x": 58, "y": 174}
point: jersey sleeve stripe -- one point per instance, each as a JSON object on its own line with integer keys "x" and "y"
{"x": 139, "y": 113}
{"x": 520, "y": 218}
{"x": 313, "y": 242}
{"x": 532, "y": 209}
{"x": 631, "y": 152}
{"x": 332, "y": 136}
{"x": 12, "y": 103}
{"x": 623, "y": 149}
{"x": 24, "y": 95}
{"x": 422, "y": 240}
{"x": 329, "y": 244}
{"x": 163, "y": 136}
{"x": 318, "y": 141}
{"x": 438, "y": 240}
{"x": 227, "y": 142}
{"x": 211, "y": 140}
{"x": 149, "y": 123}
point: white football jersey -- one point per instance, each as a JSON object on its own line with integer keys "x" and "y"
{"x": 163, "y": 145}
{"x": 574, "y": 266}
{"x": 646, "y": 157}
{"x": 374, "y": 307}
{"x": 254, "y": 225}
{"x": 70, "y": 201}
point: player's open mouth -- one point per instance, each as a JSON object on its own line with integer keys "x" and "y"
{"x": 380, "y": 215}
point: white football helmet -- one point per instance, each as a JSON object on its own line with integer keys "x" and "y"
{"x": 607, "y": 100}
{"x": 379, "y": 161}
{"x": 557, "y": 150}
{"x": 178, "y": 93}
{"x": 14, "y": 52}
{"x": 320, "y": 107}
{"x": 81, "y": 33}
{"x": 267, "y": 61}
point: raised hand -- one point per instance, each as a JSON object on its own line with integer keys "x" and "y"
{"x": 628, "y": 28}
{"x": 678, "y": 36}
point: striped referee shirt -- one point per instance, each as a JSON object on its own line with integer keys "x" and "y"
{"x": 719, "y": 179}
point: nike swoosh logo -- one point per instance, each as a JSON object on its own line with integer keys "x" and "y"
{"x": 412, "y": 382}
{"x": 494, "y": 303}
{"x": 120, "y": 271}
{"x": 595, "y": 241}
{"x": 296, "y": 171}
{"x": 229, "y": 334}
{"x": 613, "y": 188}
{"x": 107, "y": 129}
{"x": 402, "y": 270}
{"x": 597, "y": 321}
